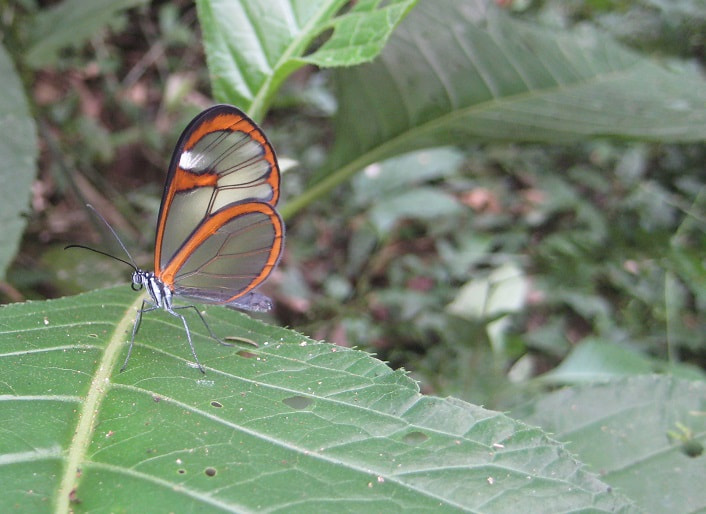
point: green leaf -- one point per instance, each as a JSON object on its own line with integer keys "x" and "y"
{"x": 359, "y": 35}
{"x": 292, "y": 424}
{"x": 252, "y": 47}
{"x": 502, "y": 291}
{"x": 641, "y": 433}
{"x": 421, "y": 203}
{"x": 594, "y": 360}
{"x": 400, "y": 174}
{"x": 461, "y": 71}
{"x": 496, "y": 296}
{"x": 18, "y": 159}
{"x": 70, "y": 24}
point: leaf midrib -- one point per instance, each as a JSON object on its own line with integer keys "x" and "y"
{"x": 90, "y": 408}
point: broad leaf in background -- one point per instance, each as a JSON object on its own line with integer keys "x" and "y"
{"x": 252, "y": 47}
{"x": 594, "y": 360}
{"x": 289, "y": 425}
{"x": 70, "y": 23}
{"x": 18, "y": 159}
{"x": 645, "y": 435}
{"x": 461, "y": 70}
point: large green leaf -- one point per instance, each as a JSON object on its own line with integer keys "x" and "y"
{"x": 595, "y": 360}
{"x": 458, "y": 71}
{"x": 292, "y": 425}
{"x": 18, "y": 159}
{"x": 646, "y": 436}
{"x": 70, "y": 23}
{"x": 252, "y": 47}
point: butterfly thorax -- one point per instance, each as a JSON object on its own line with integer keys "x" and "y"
{"x": 161, "y": 295}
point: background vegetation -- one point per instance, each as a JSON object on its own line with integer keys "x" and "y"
{"x": 510, "y": 205}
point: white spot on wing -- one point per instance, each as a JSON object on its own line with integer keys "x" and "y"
{"x": 188, "y": 160}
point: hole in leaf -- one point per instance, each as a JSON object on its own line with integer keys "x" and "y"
{"x": 297, "y": 402}
{"x": 415, "y": 437}
{"x": 323, "y": 37}
{"x": 216, "y": 404}
{"x": 210, "y": 472}
{"x": 692, "y": 448}
{"x": 243, "y": 340}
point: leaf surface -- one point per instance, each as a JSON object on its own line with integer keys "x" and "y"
{"x": 642, "y": 433}
{"x": 289, "y": 425}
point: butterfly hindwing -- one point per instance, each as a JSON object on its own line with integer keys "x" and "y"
{"x": 230, "y": 253}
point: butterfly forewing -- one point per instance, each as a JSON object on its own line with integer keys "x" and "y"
{"x": 222, "y": 158}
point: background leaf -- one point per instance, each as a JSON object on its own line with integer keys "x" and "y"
{"x": 18, "y": 166}
{"x": 70, "y": 23}
{"x": 643, "y": 434}
{"x": 460, "y": 71}
{"x": 248, "y": 65}
{"x": 292, "y": 424}
{"x": 594, "y": 360}
{"x": 423, "y": 203}
{"x": 360, "y": 34}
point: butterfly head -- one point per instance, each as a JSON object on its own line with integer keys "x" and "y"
{"x": 139, "y": 279}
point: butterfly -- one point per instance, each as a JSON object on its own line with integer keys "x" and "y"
{"x": 219, "y": 235}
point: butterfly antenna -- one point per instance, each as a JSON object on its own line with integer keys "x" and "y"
{"x": 103, "y": 253}
{"x": 130, "y": 263}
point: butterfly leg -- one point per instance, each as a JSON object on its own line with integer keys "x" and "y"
{"x": 211, "y": 333}
{"x": 135, "y": 328}
{"x": 188, "y": 333}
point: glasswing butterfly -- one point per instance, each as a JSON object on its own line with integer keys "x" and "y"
{"x": 219, "y": 235}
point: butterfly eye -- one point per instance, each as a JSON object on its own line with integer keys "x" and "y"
{"x": 137, "y": 281}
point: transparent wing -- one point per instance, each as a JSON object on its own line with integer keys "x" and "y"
{"x": 222, "y": 159}
{"x": 230, "y": 253}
